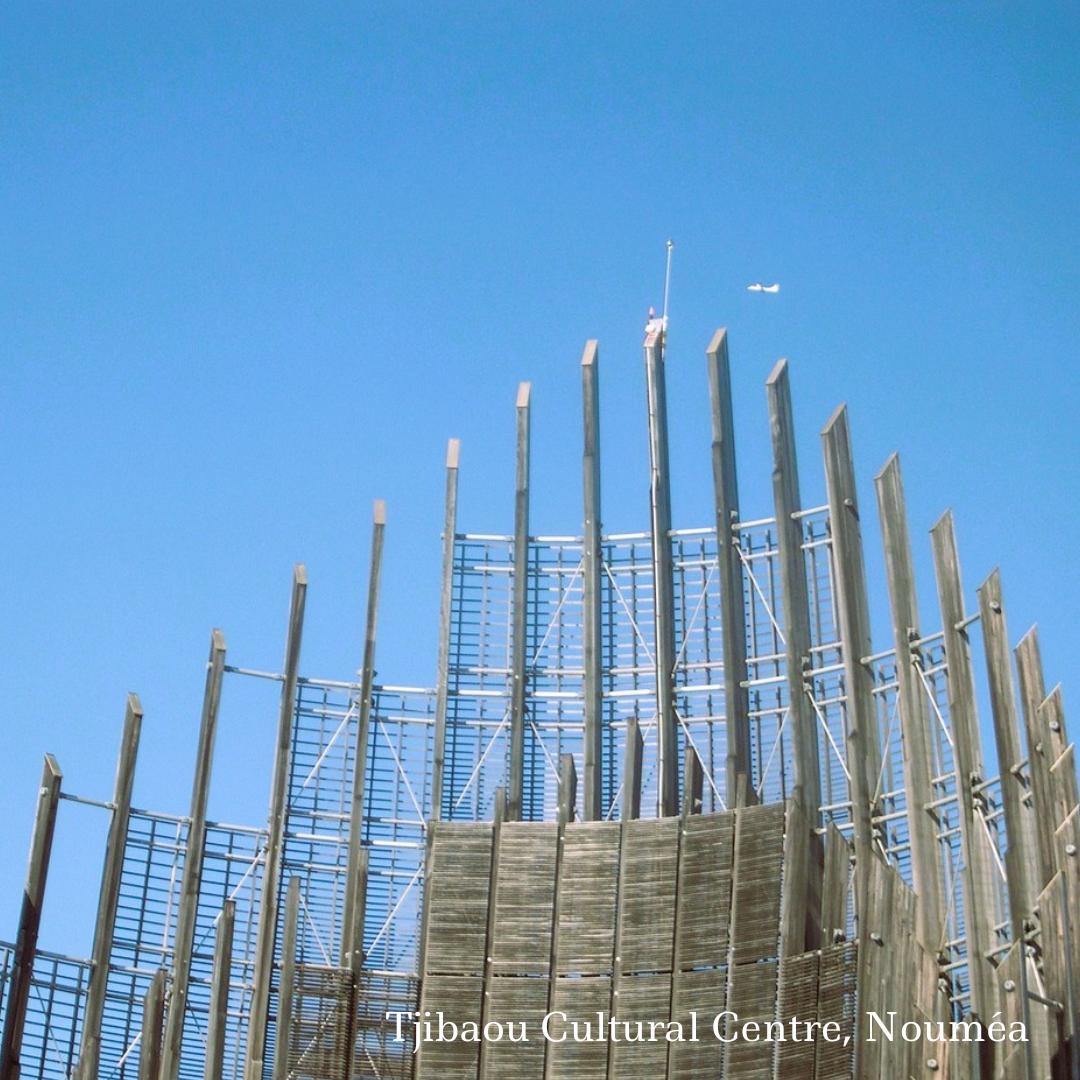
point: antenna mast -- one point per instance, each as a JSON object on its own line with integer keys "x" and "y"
{"x": 667, "y": 279}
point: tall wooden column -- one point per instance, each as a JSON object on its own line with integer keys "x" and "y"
{"x": 520, "y": 624}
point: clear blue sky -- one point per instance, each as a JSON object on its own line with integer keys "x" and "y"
{"x": 259, "y": 261}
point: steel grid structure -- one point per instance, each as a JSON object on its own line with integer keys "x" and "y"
{"x": 561, "y": 657}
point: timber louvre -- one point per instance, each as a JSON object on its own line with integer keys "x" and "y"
{"x": 782, "y": 887}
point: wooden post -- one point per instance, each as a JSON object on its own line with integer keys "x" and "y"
{"x": 109, "y": 897}
{"x": 519, "y": 630}
{"x": 663, "y": 582}
{"x": 693, "y": 783}
{"x": 863, "y": 752}
{"x": 193, "y": 863}
{"x": 367, "y": 682}
{"x": 153, "y": 1017}
{"x": 37, "y": 872}
{"x": 287, "y": 989}
{"x": 567, "y": 791}
{"x": 788, "y": 502}
{"x": 219, "y": 993}
{"x": 266, "y": 932}
{"x": 1040, "y": 758}
{"x": 914, "y": 714}
{"x": 631, "y": 795}
{"x": 977, "y": 878}
{"x": 442, "y": 691}
{"x": 591, "y": 615}
{"x": 732, "y": 598}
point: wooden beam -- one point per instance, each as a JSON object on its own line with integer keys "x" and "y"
{"x": 219, "y": 993}
{"x": 914, "y": 715}
{"x": 732, "y": 596}
{"x": 978, "y": 874}
{"x": 266, "y": 933}
{"x": 446, "y": 608}
{"x": 863, "y": 751}
{"x": 663, "y": 582}
{"x": 520, "y": 613}
{"x": 191, "y": 881}
{"x": 631, "y": 795}
{"x": 153, "y": 1017}
{"x": 367, "y": 685}
{"x": 693, "y": 782}
{"x": 22, "y": 967}
{"x": 592, "y": 570}
{"x": 287, "y": 988}
{"x": 109, "y": 897}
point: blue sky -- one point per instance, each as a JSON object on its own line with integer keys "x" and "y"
{"x": 258, "y": 263}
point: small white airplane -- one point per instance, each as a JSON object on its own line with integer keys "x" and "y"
{"x": 758, "y": 287}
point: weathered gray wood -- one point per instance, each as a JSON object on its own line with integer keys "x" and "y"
{"x": 796, "y": 614}
{"x": 521, "y": 1002}
{"x": 591, "y": 570}
{"x": 834, "y": 893}
{"x": 458, "y": 999}
{"x": 732, "y": 597}
{"x": 520, "y": 615}
{"x": 755, "y": 903}
{"x": 446, "y": 607}
{"x": 702, "y": 991}
{"x": 639, "y": 999}
{"x": 567, "y": 790}
{"x": 570, "y": 1060}
{"x": 349, "y": 949}
{"x": 1032, "y": 694}
{"x": 663, "y": 582}
{"x": 153, "y": 1016}
{"x": 863, "y": 751}
{"x": 109, "y": 896}
{"x": 191, "y": 881}
{"x": 796, "y": 920}
{"x": 693, "y": 782}
{"x": 523, "y": 899}
{"x": 22, "y": 970}
{"x": 914, "y": 715}
{"x": 588, "y": 885}
{"x": 631, "y": 799}
{"x": 266, "y": 932}
{"x": 219, "y": 993}
{"x": 978, "y": 873}
{"x": 354, "y": 930}
{"x": 287, "y": 988}
{"x": 648, "y": 876}
{"x": 751, "y": 996}
{"x": 706, "y": 854}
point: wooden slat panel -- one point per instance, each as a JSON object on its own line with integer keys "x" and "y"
{"x": 704, "y": 896}
{"x": 521, "y": 1002}
{"x": 703, "y": 992}
{"x": 581, "y": 1000}
{"x": 640, "y": 999}
{"x": 752, "y": 996}
{"x": 836, "y": 1004}
{"x": 524, "y": 895}
{"x": 798, "y": 997}
{"x": 650, "y": 864}
{"x": 457, "y": 899}
{"x": 588, "y": 888}
{"x": 759, "y": 852}
{"x": 459, "y": 1000}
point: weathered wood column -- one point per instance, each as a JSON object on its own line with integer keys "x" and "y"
{"x": 193, "y": 863}
{"x": 37, "y": 872}
{"x": 287, "y": 991}
{"x": 109, "y": 897}
{"x": 219, "y": 993}
{"x": 663, "y": 583}
{"x": 446, "y": 608}
{"x": 732, "y": 598}
{"x": 591, "y": 571}
{"x": 266, "y": 933}
{"x": 520, "y": 615}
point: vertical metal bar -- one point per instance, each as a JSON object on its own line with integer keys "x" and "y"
{"x": 22, "y": 966}
{"x": 518, "y": 658}
{"x": 1007, "y": 737}
{"x": 287, "y": 990}
{"x": 193, "y": 863}
{"x": 788, "y": 502}
{"x": 367, "y": 681}
{"x": 266, "y": 932}
{"x": 109, "y": 898}
{"x": 219, "y": 993}
{"x": 1032, "y": 694}
{"x": 914, "y": 715}
{"x": 863, "y": 752}
{"x": 153, "y": 1017}
{"x": 446, "y": 609}
{"x": 631, "y": 795}
{"x": 663, "y": 585}
{"x": 591, "y": 594}
{"x": 977, "y": 876}
{"x": 732, "y": 598}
